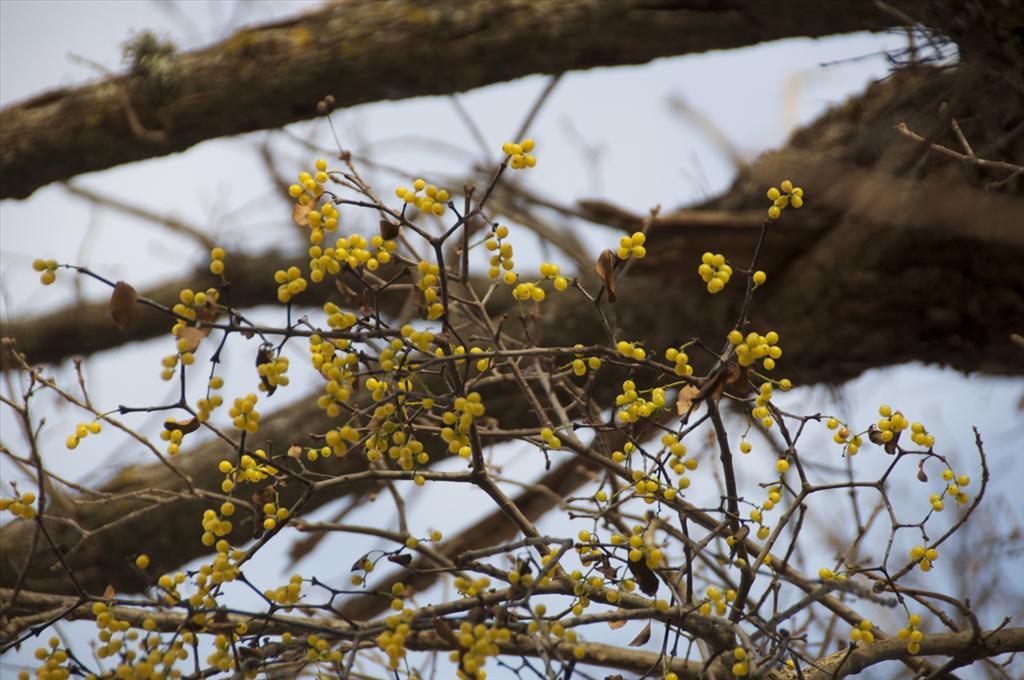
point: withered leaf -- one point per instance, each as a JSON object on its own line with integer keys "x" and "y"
{"x": 123, "y": 309}
{"x": 606, "y": 270}
{"x": 684, "y": 402}
{"x": 186, "y": 426}
{"x": 300, "y": 214}
{"x": 109, "y": 593}
{"x": 350, "y": 297}
{"x": 403, "y": 559}
{"x": 389, "y": 230}
{"x": 445, "y": 632}
{"x": 358, "y": 564}
{"x": 730, "y": 375}
{"x": 193, "y": 336}
{"x": 616, "y": 624}
{"x": 642, "y": 637}
{"x": 645, "y": 578}
{"x": 263, "y": 496}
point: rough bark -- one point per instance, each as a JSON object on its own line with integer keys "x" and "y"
{"x": 268, "y": 76}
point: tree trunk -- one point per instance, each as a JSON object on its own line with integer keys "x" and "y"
{"x": 269, "y": 76}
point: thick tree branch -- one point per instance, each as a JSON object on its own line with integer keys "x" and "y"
{"x": 269, "y": 76}
{"x": 963, "y": 646}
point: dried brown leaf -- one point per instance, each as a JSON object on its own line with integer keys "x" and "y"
{"x": 300, "y": 214}
{"x": 349, "y": 297}
{"x": 109, "y": 593}
{"x": 642, "y": 637}
{"x": 644, "y": 576}
{"x": 123, "y": 308}
{"x": 684, "y": 402}
{"x": 186, "y": 426}
{"x": 389, "y": 230}
{"x": 606, "y": 270}
{"x": 403, "y": 559}
{"x": 193, "y": 336}
{"x": 617, "y": 623}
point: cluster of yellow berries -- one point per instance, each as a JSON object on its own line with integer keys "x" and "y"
{"x": 677, "y": 451}
{"x": 581, "y": 364}
{"x": 632, "y": 246}
{"x": 191, "y": 302}
{"x": 310, "y": 186}
{"x": 954, "y": 490}
{"x": 519, "y": 154}
{"x": 48, "y": 269}
{"x": 716, "y": 601}
{"x": 741, "y": 667}
{"x": 788, "y": 196}
{"x": 244, "y": 414}
{"x": 420, "y": 339}
{"x": 173, "y": 434}
{"x": 552, "y": 271}
{"x": 286, "y": 595}
{"x": 217, "y": 261}
{"x": 21, "y": 506}
{"x": 222, "y": 658}
{"x": 627, "y": 450}
{"x": 214, "y": 525}
{"x": 53, "y": 657}
{"x": 631, "y": 350}
{"x": 428, "y": 285}
{"x": 502, "y": 257}
{"x": 920, "y": 436}
{"x": 169, "y": 584}
{"x": 714, "y": 271}
{"x": 551, "y": 439}
{"x": 249, "y": 470}
{"x": 272, "y": 373}
{"x": 827, "y": 574}
{"x": 206, "y": 405}
{"x": 477, "y": 644}
{"x": 324, "y": 219}
{"x": 755, "y": 346}
{"x": 319, "y": 650}
{"x": 392, "y": 641}
{"x": 863, "y": 632}
{"x": 459, "y": 421}
{"x": 638, "y": 549}
{"x": 911, "y": 634}
{"x": 925, "y": 557}
{"x": 760, "y": 411}
{"x": 681, "y": 359}
{"x": 528, "y": 291}
{"x": 113, "y": 632}
{"x": 635, "y": 406}
{"x": 83, "y": 430}
{"x": 290, "y": 283}
{"x": 842, "y": 436}
{"x": 891, "y": 424}
{"x": 432, "y": 200}
{"x": 272, "y": 513}
{"x": 335, "y": 364}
